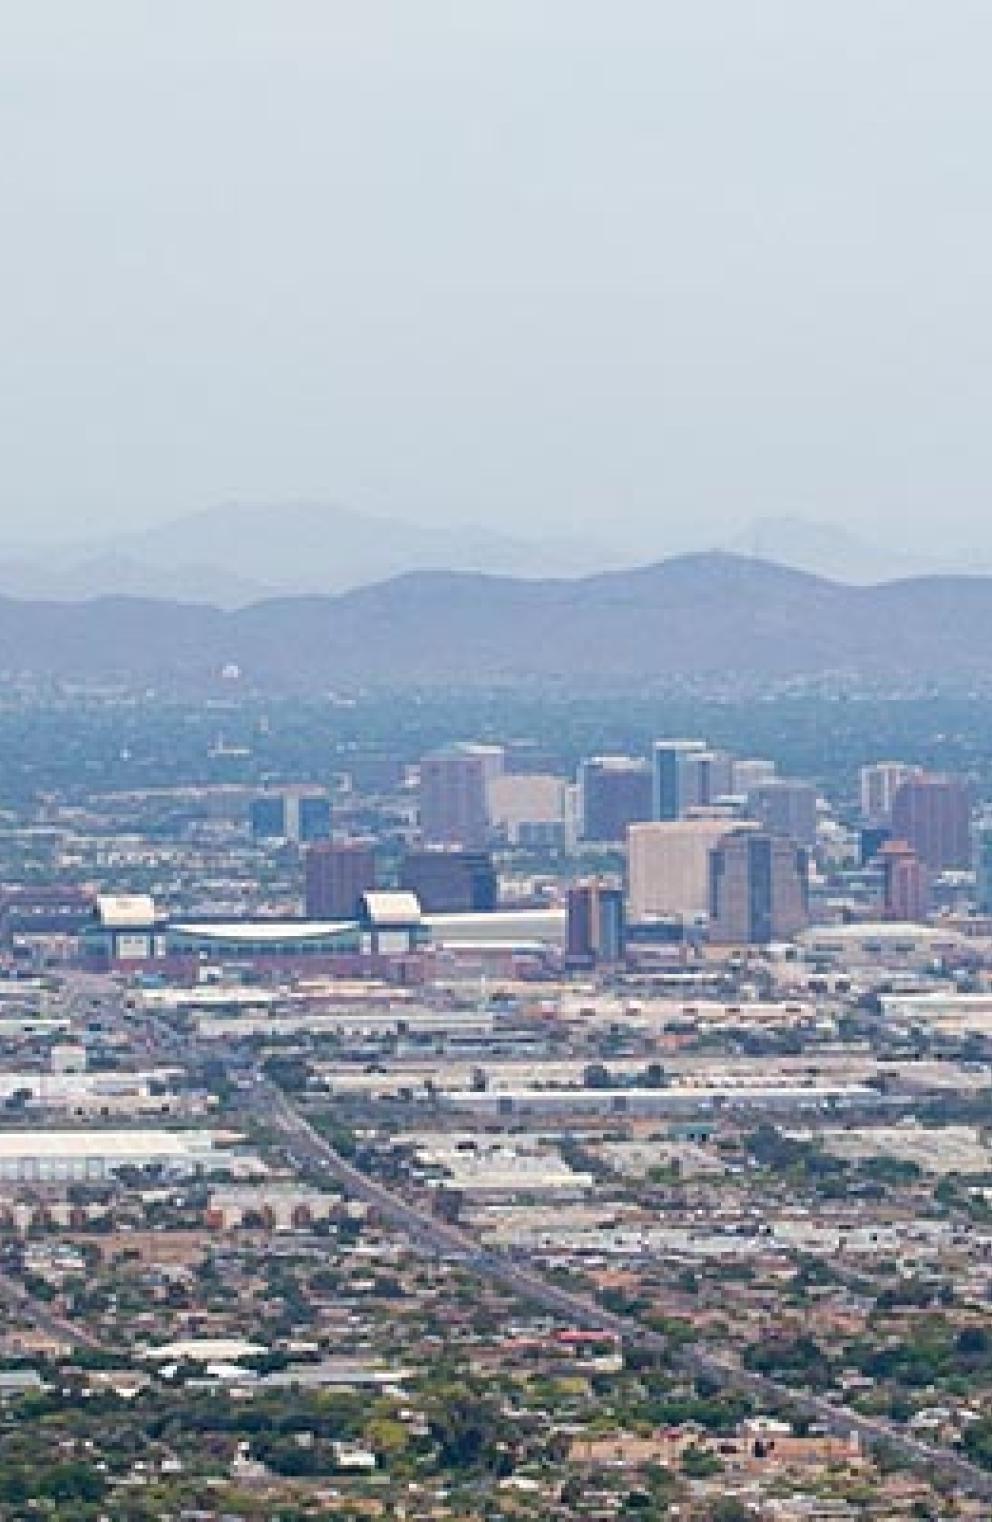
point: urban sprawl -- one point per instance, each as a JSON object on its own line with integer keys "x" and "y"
{"x": 395, "y": 1124}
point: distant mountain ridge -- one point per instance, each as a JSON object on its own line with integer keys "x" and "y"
{"x": 236, "y": 554}
{"x": 712, "y": 618}
{"x": 831, "y": 551}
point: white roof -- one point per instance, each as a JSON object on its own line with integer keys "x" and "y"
{"x": 509, "y": 927}
{"x": 207, "y": 996}
{"x": 124, "y": 910}
{"x": 138, "y": 1143}
{"x": 207, "y": 1350}
{"x": 616, "y": 763}
{"x": 263, "y": 930}
{"x": 400, "y": 908}
{"x": 877, "y": 930}
{"x": 675, "y": 1096}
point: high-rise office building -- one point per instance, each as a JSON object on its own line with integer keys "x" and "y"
{"x": 879, "y": 784}
{"x": 932, "y": 814}
{"x": 338, "y": 872}
{"x": 983, "y": 865}
{"x": 313, "y": 817}
{"x": 786, "y": 807}
{"x": 596, "y": 924}
{"x": 451, "y": 880}
{"x": 614, "y": 792}
{"x": 759, "y": 888}
{"x": 299, "y": 813}
{"x": 716, "y": 776}
{"x": 529, "y": 808}
{"x": 267, "y": 817}
{"x": 904, "y": 881}
{"x": 668, "y": 868}
{"x": 453, "y": 793}
{"x": 749, "y": 772}
{"x": 676, "y": 777}
{"x": 871, "y": 839}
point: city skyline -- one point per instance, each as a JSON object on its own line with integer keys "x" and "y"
{"x": 495, "y": 761}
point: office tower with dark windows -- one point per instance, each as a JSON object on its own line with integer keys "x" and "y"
{"x": 596, "y": 929}
{"x": 451, "y": 880}
{"x": 338, "y": 873}
{"x": 267, "y": 817}
{"x": 749, "y": 772}
{"x": 716, "y": 776}
{"x": 878, "y": 785}
{"x": 871, "y": 839}
{"x": 932, "y": 814}
{"x": 759, "y": 888}
{"x": 983, "y": 865}
{"x": 299, "y": 813}
{"x": 454, "y": 785}
{"x": 313, "y": 817}
{"x": 614, "y": 792}
{"x": 676, "y": 777}
{"x": 786, "y": 807}
{"x": 905, "y": 883}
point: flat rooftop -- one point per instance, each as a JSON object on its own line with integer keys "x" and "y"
{"x": 96, "y": 1142}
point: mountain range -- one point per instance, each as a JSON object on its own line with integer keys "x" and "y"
{"x": 713, "y": 619}
{"x": 233, "y": 555}
{"x": 236, "y": 554}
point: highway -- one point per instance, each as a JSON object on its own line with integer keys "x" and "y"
{"x": 304, "y": 1142}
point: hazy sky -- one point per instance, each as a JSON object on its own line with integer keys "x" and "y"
{"x": 652, "y": 268}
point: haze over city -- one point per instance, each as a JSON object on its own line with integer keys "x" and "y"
{"x": 638, "y": 276}
{"x": 495, "y": 761}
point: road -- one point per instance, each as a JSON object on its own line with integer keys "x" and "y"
{"x": 304, "y": 1142}
{"x": 14, "y": 1297}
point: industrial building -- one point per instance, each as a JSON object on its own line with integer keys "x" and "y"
{"x": 86, "y": 1155}
{"x": 686, "y": 1101}
{"x": 880, "y": 943}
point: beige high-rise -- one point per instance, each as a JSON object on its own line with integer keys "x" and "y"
{"x": 668, "y": 867}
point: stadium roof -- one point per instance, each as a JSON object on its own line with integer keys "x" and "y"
{"x": 385, "y": 909}
{"x": 259, "y": 931}
{"x": 122, "y": 911}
